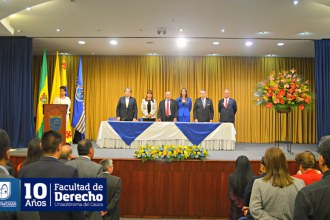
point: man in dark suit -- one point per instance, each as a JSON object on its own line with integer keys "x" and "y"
{"x": 227, "y": 108}
{"x": 49, "y": 167}
{"x": 203, "y": 108}
{"x": 127, "y": 109}
{"x": 114, "y": 191}
{"x": 87, "y": 168}
{"x": 168, "y": 109}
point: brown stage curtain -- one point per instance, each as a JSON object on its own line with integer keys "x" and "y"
{"x": 105, "y": 78}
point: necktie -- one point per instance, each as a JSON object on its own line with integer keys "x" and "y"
{"x": 167, "y": 107}
{"x": 226, "y": 103}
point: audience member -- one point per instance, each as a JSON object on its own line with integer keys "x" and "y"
{"x": 49, "y": 167}
{"x": 237, "y": 182}
{"x": 66, "y": 153}
{"x": 4, "y": 158}
{"x": 307, "y": 171}
{"x": 248, "y": 188}
{"x": 312, "y": 201}
{"x": 87, "y": 168}
{"x": 114, "y": 191}
{"x": 273, "y": 196}
{"x": 34, "y": 152}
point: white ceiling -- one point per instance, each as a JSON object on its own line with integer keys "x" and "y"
{"x": 134, "y": 23}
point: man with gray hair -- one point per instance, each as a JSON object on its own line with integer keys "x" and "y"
{"x": 66, "y": 153}
{"x": 227, "y": 108}
{"x": 168, "y": 109}
{"x": 114, "y": 191}
{"x": 127, "y": 109}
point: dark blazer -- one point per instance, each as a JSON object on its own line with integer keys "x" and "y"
{"x": 127, "y": 114}
{"x": 203, "y": 114}
{"x": 113, "y": 196}
{"x": 50, "y": 167}
{"x": 162, "y": 111}
{"x": 86, "y": 167}
{"x": 227, "y": 114}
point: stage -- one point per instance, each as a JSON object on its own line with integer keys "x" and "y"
{"x": 252, "y": 151}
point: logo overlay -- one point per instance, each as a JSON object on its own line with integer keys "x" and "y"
{"x": 9, "y": 194}
{"x": 57, "y": 194}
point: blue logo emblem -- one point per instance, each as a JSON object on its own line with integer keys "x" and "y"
{"x": 79, "y": 94}
{"x": 55, "y": 122}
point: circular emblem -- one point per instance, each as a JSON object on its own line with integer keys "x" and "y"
{"x": 79, "y": 94}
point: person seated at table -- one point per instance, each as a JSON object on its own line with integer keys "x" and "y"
{"x": 127, "y": 108}
{"x": 168, "y": 109}
{"x": 307, "y": 171}
{"x": 149, "y": 107}
{"x": 184, "y": 106}
{"x": 203, "y": 108}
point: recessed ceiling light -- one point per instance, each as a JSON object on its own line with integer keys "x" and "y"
{"x": 81, "y": 42}
{"x": 152, "y": 54}
{"x": 181, "y": 30}
{"x": 58, "y": 30}
{"x": 262, "y": 32}
{"x": 181, "y": 42}
{"x": 216, "y": 43}
{"x": 248, "y": 43}
{"x": 19, "y": 31}
{"x": 295, "y": 2}
{"x": 304, "y": 33}
{"x": 28, "y": 8}
{"x": 280, "y": 44}
{"x": 270, "y": 55}
{"x": 113, "y": 42}
{"x": 222, "y": 30}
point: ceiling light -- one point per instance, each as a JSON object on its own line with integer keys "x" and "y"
{"x": 113, "y": 42}
{"x": 181, "y": 30}
{"x": 222, "y": 30}
{"x": 248, "y": 43}
{"x": 58, "y": 30}
{"x": 28, "y": 8}
{"x": 216, "y": 43}
{"x": 304, "y": 33}
{"x": 295, "y": 2}
{"x": 81, "y": 42}
{"x": 19, "y": 31}
{"x": 152, "y": 54}
{"x": 280, "y": 44}
{"x": 270, "y": 55}
{"x": 181, "y": 42}
{"x": 262, "y": 32}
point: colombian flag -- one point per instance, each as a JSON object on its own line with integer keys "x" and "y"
{"x": 42, "y": 97}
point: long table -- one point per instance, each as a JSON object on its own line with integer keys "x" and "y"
{"x": 212, "y": 136}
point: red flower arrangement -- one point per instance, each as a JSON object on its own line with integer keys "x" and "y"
{"x": 284, "y": 90}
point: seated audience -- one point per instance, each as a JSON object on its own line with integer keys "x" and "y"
{"x": 312, "y": 201}
{"x": 113, "y": 193}
{"x": 34, "y": 152}
{"x": 308, "y": 173}
{"x": 248, "y": 189}
{"x": 237, "y": 182}
{"x": 66, "y": 153}
{"x": 49, "y": 167}
{"x": 4, "y": 158}
{"x": 273, "y": 195}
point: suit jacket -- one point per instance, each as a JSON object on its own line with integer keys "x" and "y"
{"x": 227, "y": 114}
{"x": 270, "y": 202}
{"x": 203, "y": 114}
{"x": 184, "y": 109}
{"x": 86, "y": 167}
{"x": 113, "y": 196}
{"x": 144, "y": 108}
{"x": 50, "y": 167}
{"x": 127, "y": 114}
{"x": 162, "y": 110}
{"x": 312, "y": 202}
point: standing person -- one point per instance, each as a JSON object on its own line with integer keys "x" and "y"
{"x": 113, "y": 193}
{"x": 49, "y": 167}
{"x": 227, "y": 108}
{"x": 237, "y": 182}
{"x": 184, "y": 106}
{"x": 64, "y": 100}
{"x": 127, "y": 108}
{"x": 203, "y": 108}
{"x": 312, "y": 201}
{"x": 168, "y": 109}
{"x": 149, "y": 107}
{"x": 307, "y": 171}
{"x": 273, "y": 196}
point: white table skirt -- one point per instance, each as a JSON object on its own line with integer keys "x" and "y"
{"x": 166, "y": 133}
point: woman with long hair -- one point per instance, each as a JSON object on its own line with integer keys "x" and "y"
{"x": 34, "y": 152}
{"x": 273, "y": 196}
{"x": 184, "y": 104}
{"x": 237, "y": 182}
